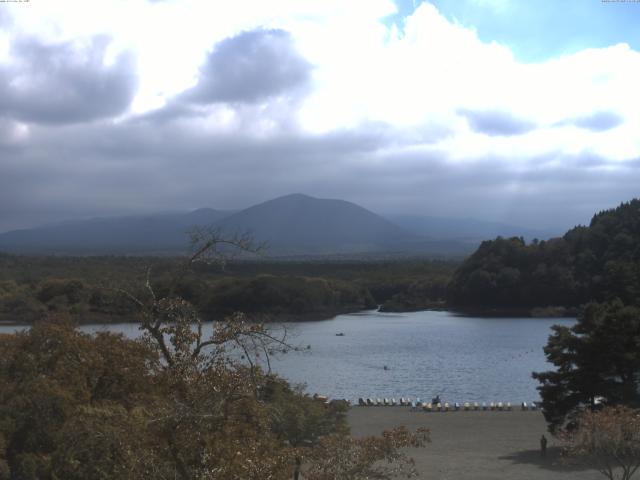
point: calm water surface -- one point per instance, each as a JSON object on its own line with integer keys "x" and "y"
{"x": 425, "y": 353}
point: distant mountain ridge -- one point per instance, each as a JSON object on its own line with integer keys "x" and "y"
{"x": 302, "y": 224}
{"x": 139, "y": 233}
{"x": 294, "y": 224}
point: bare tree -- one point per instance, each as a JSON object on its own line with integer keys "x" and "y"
{"x": 175, "y": 326}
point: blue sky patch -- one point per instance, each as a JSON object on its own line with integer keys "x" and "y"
{"x": 536, "y": 30}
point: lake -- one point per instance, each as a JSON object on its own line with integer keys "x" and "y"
{"x": 425, "y": 353}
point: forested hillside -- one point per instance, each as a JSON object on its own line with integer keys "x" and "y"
{"x": 595, "y": 263}
{"x": 90, "y": 288}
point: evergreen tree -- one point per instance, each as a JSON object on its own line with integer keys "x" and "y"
{"x": 598, "y": 357}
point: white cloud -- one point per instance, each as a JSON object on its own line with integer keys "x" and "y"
{"x": 435, "y": 68}
{"x": 422, "y": 73}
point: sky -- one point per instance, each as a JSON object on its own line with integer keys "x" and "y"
{"x": 523, "y": 112}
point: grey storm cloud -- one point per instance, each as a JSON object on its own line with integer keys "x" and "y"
{"x": 250, "y": 67}
{"x": 66, "y": 166}
{"x": 493, "y": 122}
{"x": 65, "y": 82}
{"x": 72, "y": 171}
{"x": 596, "y": 122}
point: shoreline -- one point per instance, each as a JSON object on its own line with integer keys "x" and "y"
{"x": 104, "y": 319}
{"x": 534, "y": 312}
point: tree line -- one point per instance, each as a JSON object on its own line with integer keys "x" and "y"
{"x": 89, "y": 289}
{"x": 599, "y": 262}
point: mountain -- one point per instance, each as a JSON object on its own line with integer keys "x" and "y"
{"x": 291, "y": 225}
{"x": 300, "y": 224}
{"x": 132, "y": 234}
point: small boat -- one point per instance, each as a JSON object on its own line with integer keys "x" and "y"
{"x": 340, "y": 334}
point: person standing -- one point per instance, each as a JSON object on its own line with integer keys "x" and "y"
{"x": 543, "y": 446}
{"x": 296, "y": 472}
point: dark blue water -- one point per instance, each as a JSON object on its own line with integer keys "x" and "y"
{"x": 426, "y": 353}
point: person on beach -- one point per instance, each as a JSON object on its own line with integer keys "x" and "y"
{"x": 296, "y": 472}
{"x": 543, "y": 446}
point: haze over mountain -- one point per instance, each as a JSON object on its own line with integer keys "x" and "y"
{"x": 468, "y": 229}
{"x": 294, "y": 224}
{"x": 141, "y": 233}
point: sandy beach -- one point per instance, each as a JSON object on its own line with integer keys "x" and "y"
{"x": 480, "y": 445}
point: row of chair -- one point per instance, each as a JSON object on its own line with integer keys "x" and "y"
{"x": 378, "y": 402}
{"x": 443, "y": 406}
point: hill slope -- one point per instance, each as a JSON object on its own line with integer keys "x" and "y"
{"x": 599, "y": 262}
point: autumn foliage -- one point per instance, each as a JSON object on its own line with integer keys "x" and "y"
{"x": 609, "y": 440}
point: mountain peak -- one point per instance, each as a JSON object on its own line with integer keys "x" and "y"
{"x": 295, "y": 196}
{"x": 304, "y": 224}
{"x": 292, "y": 197}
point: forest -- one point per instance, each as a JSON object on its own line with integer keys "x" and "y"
{"x": 90, "y": 288}
{"x": 598, "y": 262}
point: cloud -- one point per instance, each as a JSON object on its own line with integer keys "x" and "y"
{"x": 134, "y": 167}
{"x": 425, "y": 118}
{"x": 496, "y": 122}
{"x": 250, "y": 67}
{"x": 596, "y": 122}
{"x": 12, "y": 134}
{"x": 65, "y": 82}
{"x": 5, "y": 18}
